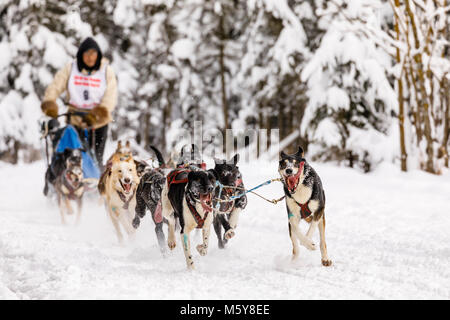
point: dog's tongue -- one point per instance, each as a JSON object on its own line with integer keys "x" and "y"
{"x": 127, "y": 187}
{"x": 203, "y": 199}
{"x": 291, "y": 182}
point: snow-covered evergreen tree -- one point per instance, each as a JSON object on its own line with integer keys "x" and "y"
{"x": 322, "y": 72}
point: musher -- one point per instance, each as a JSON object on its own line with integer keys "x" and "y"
{"x": 91, "y": 87}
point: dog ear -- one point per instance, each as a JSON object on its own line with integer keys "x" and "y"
{"x": 67, "y": 152}
{"x": 300, "y": 152}
{"x": 235, "y": 159}
{"x": 127, "y": 144}
{"x": 182, "y": 151}
{"x": 213, "y": 173}
{"x": 283, "y": 155}
{"x": 119, "y": 145}
{"x": 140, "y": 167}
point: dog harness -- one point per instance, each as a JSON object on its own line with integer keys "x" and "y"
{"x": 304, "y": 210}
{"x": 70, "y": 187}
{"x": 229, "y": 192}
{"x": 180, "y": 176}
{"x": 198, "y": 218}
{"x": 126, "y": 203}
{"x": 177, "y": 176}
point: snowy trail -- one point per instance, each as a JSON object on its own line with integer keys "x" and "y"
{"x": 387, "y": 234}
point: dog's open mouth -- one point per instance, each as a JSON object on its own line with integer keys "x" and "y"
{"x": 291, "y": 181}
{"x": 125, "y": 186}
{"x": 73, "y": 178}
{"x": 205, "y": 200}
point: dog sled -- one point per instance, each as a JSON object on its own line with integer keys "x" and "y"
{"x": 59, "y": 138}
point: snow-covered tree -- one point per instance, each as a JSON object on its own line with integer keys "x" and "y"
{"x": 333, "y": 76}
{"x": 419, "y": 45}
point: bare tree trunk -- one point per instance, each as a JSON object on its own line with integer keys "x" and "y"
{"x": 445, "y": 98}
{"x": 222, "y": 76}
{"x": 446, "y": 102}
{"x": 423, "y": 103}
{"x": 166, "y": 116}
{"x": 401, "y": 117}
{"x": 260, "y": 126}
{"x": 145, "y": 134}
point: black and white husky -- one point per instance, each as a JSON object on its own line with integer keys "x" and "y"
{"x": 187, "y": 196}
{"x": 148, "y": 196}
{"x": 229, "y": 176}
{"x": 305, "y": 199}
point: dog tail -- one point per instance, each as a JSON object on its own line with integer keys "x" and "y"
{"x": 158, "y": 156}
{"x": 101, "y": 182}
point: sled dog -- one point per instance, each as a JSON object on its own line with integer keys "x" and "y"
{"x": 305, "y": 199}
{"x": 120, "y": 181}
{"x": 148, "y": 196}
{"x": 69, "y": 183}
{"x": 229, "y": 176}
{"x": 187, "y": 197}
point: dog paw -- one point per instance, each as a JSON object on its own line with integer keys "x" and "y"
{"x": 136, "y": 222}
{"x": 308, "y": 244}
{"x": 171, "y": 244}
{"x": 326, "y": 263}
{"x": 191, "y": 267}
{"x": 229, "y": 234}
{"x": 202, "y": 249}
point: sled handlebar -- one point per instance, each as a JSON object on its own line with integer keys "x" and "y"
{"x": 73, "y": 113}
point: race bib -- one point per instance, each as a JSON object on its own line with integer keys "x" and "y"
{"x": 86, "y": 91}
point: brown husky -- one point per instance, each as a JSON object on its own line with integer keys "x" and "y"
{"x": 119, "y": 183}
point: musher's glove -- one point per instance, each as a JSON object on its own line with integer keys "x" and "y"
{"x": 50, "y": 108}
{"x": 97, "y": 115}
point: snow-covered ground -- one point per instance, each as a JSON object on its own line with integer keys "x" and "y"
{"x": 387, "y": 234}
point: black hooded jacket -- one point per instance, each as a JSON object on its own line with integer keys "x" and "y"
{"x": 87, "y": 44}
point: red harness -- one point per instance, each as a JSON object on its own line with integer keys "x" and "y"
{"x": 180, "y": 175}
{"x": 177, "y": 176}
{"x": 304, "y": 210}
{"x": 198, "y": 218}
